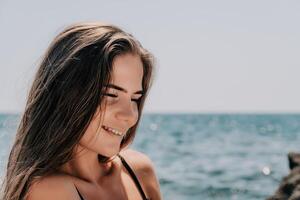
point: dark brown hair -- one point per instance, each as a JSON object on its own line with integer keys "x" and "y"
{"x": 64, "y": 96}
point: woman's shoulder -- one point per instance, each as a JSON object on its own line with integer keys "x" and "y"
{"x": 138, "y": 160}
{"x": 56, "y": 186}
{"x": 144, "y": 169}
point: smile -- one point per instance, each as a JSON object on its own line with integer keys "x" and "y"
{"x": 112, "y": 131}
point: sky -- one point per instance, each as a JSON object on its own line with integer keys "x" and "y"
{"x": 211, "y": 56}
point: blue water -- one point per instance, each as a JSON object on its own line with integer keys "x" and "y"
{"x": 208, "y": 156}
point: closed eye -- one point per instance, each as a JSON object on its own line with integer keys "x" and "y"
{"x": 137, "y": 100}
{"x": 113, "y": 95}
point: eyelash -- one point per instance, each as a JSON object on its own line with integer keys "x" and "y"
{"x": 113, "y": 95}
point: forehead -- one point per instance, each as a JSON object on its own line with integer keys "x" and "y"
{"x": 127, "y": 70}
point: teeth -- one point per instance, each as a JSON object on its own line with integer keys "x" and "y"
{"x": 113, "y": 131}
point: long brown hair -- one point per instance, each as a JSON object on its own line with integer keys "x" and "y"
{"x": 63, "y": 98}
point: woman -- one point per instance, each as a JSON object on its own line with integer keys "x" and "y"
{"x": 82, "y": 113}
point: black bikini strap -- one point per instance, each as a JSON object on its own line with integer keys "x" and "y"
{"x": 132, "y": 174}
{"x": 79, "y": 193}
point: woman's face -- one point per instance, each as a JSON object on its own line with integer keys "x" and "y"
{"x": 121, "y": 112}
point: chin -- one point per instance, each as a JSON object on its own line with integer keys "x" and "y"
{"x": 110, "y": 153}
{"x": 105, "y": 159}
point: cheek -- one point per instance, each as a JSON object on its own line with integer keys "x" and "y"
{"x": 136, "y": 117}
{"x": 92, "y": 128}
{"x": 89, "y": 134}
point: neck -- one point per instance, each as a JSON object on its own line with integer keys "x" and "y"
{"x": 85, "y": 165}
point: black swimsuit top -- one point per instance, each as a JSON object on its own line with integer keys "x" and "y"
{"x": 133, "y": 176}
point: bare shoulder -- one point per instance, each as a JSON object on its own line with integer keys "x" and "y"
{"x": 144, "y": 170}
{"x": 138, "y": 160}
{"x": 59, "y": 187}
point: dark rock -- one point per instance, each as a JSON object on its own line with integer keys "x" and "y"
{"x": 289, "y": 188}
{"x": 294, "y": 160}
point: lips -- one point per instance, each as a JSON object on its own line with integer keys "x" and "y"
{"x": 112, "y": 131}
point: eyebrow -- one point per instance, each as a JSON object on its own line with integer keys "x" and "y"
{"x": 122, "y": 89}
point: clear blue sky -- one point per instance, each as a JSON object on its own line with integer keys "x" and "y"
{"x": 212, "y": 56}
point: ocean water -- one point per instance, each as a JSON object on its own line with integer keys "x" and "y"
{"x": 208, "y": 156}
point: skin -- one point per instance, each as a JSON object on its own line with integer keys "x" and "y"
{"x": 108, "y": 180}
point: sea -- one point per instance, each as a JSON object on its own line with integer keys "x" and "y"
{"x": 207, "y": 156}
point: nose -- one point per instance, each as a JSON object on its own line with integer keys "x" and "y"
{"x": 127, "y": 113}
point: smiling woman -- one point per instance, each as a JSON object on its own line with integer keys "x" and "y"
{"x": 81, "y": 115}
